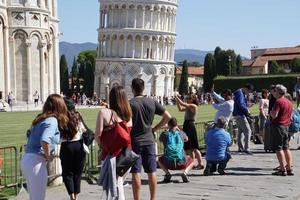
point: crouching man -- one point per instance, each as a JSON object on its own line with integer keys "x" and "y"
{"x": 217, "y": 142}
{"x": 174, "y": 157}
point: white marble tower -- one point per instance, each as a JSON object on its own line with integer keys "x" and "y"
{"x": 136, "y": 39}
{"x": 29, "y": 57}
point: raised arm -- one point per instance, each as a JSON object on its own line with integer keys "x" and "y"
{"x": 218, "y": 97}
{"x": 180, "y": 104}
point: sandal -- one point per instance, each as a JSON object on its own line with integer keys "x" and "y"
{"x": 279, "y": 173}
{"x": 276, "y": 168}
{"x": 198, "y": 167}
{"x": 289, "y": 172}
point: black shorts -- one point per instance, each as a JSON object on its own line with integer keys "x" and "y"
{"x": 147, "y": 159}
{"x": 280, "y": 137}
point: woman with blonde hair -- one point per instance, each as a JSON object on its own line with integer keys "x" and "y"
{"x": 43, "y": 135}
{"x": 119, "y": 111}
{"x": 190, "y": 108}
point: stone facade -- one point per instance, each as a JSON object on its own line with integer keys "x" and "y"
{"x": 136, "y": 39}
{"x": 29, "y": 55}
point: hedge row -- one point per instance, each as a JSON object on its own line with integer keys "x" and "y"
{"x": 259, "y": 82}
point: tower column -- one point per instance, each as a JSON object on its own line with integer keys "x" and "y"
{"x": 151, "y": 18}
{"x": 142, "y": 48}
{"x": 133, "y": 48}
{"x": 6, "y": 61}
{"x": 125, "y": 47}
{"x": 167, "y": 86}
{"x": 172, "y": 85}
{"x": 158, "y": 21}
{"x": 134, "y": 26}
{"x": 157, "y": 50}
{"x": 165, "y": 21}
{"x": 29, "y": 95}
{"x": 42, "y": 60}
{"x": 112, "y": 18}
{"x": 143, "y": 20}
{"x": 150, "y": 48}
{"x": 126, "y": 17}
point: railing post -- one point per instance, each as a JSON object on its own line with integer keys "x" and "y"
{"x": 55, "y": 170}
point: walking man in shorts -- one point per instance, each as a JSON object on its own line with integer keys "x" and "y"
{"x": 142, "y": 136}
{"x": 281, "y": 120}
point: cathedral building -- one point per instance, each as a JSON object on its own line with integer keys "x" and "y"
{"x": 136, "y": 39}
{"x": 29, "y": 59}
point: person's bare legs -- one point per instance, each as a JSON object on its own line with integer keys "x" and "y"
{"x": 72, "y": 196}
{"x": 188, "y": 168}
{"x": 163, "y": 167}
{"x": 136, "y": 185}
{"x": 288, "y": 158}
{"x": 281, "y": 159}
{"x": 198, "y": 157}
{"x": 152, "y": 185}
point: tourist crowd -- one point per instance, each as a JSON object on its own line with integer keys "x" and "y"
{"x": 125, "y": 132}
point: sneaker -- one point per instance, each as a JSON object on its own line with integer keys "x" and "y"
{"x": 279, "y": 173}
{"x": 167, "y": 178}
{"x": 185, "y": 177}
{"x": 221, "y": 171}
{"x": 248, "y": 153}
{"x": 207, "y": 172}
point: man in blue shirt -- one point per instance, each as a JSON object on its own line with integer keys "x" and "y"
{"x": 217, "y": 142}
{"x": 241, "y": 112}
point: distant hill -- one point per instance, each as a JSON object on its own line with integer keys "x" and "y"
{"x": 71, "y": 50}
{"x": 191, "y": 55}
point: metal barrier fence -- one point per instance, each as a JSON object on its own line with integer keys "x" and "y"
{"x": 11, "y": 176}
{"x": 93, "y": 161}
{"x": 9, "y": 168}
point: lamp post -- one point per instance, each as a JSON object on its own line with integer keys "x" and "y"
{"x": 229, "y": 65}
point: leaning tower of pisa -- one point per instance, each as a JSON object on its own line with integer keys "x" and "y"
{"x": 136, "y": 39}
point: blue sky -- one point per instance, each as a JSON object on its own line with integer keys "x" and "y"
{"x": 204, "y": 24}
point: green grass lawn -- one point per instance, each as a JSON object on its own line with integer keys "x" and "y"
{"x": 13, "y": 125}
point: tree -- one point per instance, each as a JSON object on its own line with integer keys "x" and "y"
{"x": 209, "y": 65}
{"x": 86, "y": 60}
{"x": 239, "y": 64}
{"x": 74, "y": 77}
{"x": 184, "y": 85}
{"x": 275, "y": 68}
{"x": 218, "y": 54}
{"x": 295, "y": 65}
{"x": 64, "y": 75}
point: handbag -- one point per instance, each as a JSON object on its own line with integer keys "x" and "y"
{"x": 88, "y": 135}
{"x": 125, "y": 160}
{"x": 115, "y": 139}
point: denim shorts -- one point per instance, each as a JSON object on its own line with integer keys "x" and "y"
{"x": 147, "y": 159}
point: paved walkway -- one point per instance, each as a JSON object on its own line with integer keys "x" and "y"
{"x": 249, "y": 178}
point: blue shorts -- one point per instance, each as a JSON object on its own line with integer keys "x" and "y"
{"x": 147, "y": 159}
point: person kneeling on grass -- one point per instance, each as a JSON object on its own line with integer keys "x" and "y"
{"x": 217, "y": 142}
{"x": 174, "y": 157}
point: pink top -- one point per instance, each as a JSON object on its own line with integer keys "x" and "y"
{"x": 264, "y": 106}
